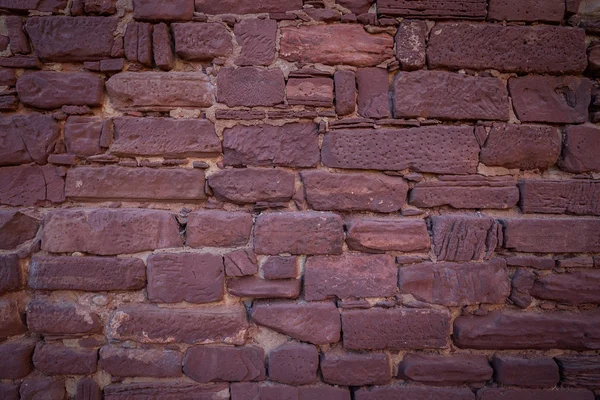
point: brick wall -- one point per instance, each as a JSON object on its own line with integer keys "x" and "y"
{"x": 241, "y": 199}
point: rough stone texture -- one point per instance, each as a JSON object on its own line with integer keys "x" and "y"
{"x": 159, "y": 90}
{"x": 313, "y": 322}
{"x": 425, "y": 149}
{"x": 453, "y": 284}
{"x": 528, "y": 394}
{"x": 395, "y": 328}
{"x": 454, "y": 370}
{"x": 218, "y": 229}
{"x": 165, "y": 137}
{"x": 317, "y": 92}
{"x": 446, "y": 95}
{"x": 556, "y": 235}
{"x": 580, "y": 197}
{"x": 10, "y": 273}
{"x": 10, "y": 391}
{"x": 528, "y": 11}
{"x": 277, "y": 267}
{"x": 373, "y": 92}
{"x": 504, "y": 330}
{"x": 156, "y": 10}
{"x": 289, "y": 145}
{"x": 108, "y": 231}
{"x": 68, "y": 39}
{"x": 29, "y": 185}
{"x": 373, "y": 235}
{"x": 534, "y": 372}
{"x": 351, "y": 45}
{"x": 190, "y": 277}
{"x": 580, "y": 149}
{"x": 56, "y": 359}
{"x": 413, "y": 393}
{"x": 201, "y": 42}
{"x": 411, "y": 44}
{"x": 521, "y": 146}
{"x": 433, "y": 8}
{"x": 350, "y": 369}
{"x": 465, "y": 237}
{"x": 42, "y": 388}
{"x": 49, "y": 89}
{"x": 82, "y": 135}
{"x": 250, "y": 87}
{"x": 208, "y": 364}
{"x": 16, "y": 359}
{"x": 140, "y": 362}
{"x": 90, "y": 274}
{"x": 258, "y": 40}
{"x": 353, "y": 192}
{"x": 205, "y": 324}
{"x": 16, "y": 228}
{"x": 11, "y": 323}
{"x": 61, "y": 318}
{"x": 575, "y": 287}
{"x": 294, "y": 364}
{"x": 241, "y": 263}
{"x": 161, "y": 47}
{"x": 257, "y": 288}
{"x": 19, "y": 43}
{"x": 27, "y": 138}
{"x": 298, "y": 233}
{"x": 581, "y": 371}
{"x": 547, "y": 49}
{"x": 247, "y": 7}
{"x": 531, "y": 261}
{"x": 356, "y": 6}
{"x": 550, "y": 99}
{"x": 252, "y": 185}
{"x": 88, "y": 389}
{"x": 153, "y": 390}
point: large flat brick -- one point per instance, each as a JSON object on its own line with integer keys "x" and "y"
{"x": 575, "y": 287}
{"x": 564, "y": 235}
{"x": 157, "y": 10}
{"x": 109, "y": 231}
{"x": 68, "y": 39}
{"x": 90, "y": 274}
{"x": 258, "y": 288}
{"x": 201, "y": 42}
{"x": 351, "y": 369}
{"x": 579, "y": 371}
{"x": 203, "y": 324}
{"x": 165, "y": 137}
{"x": 470, "y": 9}
{"x": 524, "y": 49}
{"x": 436, "y": 149}
{"x": 346, "y": 44}
{"x": 247, "y": 6}
{"x": 161, "y": 390}
{"x": 61, "y": 318}
{"x": 395, "y": 328}
{"x": 446, "y": 95}
{"x": 219, "y": 363}
{"x": 50, "y": 89}
{"x": 394, "y": 392}
{"x": 349, "y": 275}
{"x": 251, "y": 185}
{"x": 377, "y": 235}
{"x": 452, "y": 284}
{"x": 157, "y": 363}
{"x": 558, "y": 197}
{"x": 250, "y": 87}
{"x": 533, "y": 394}
{"x": 27, "y": 138}
{"x": 57, "y": 359}
{"x": 535, "y": 372}
{"x": 439, "y": 370}
{"x": 179, "y": 184}
{"x": 504, "y": 330}
{"x": 218, "y": 229}
{"x": 298, "y": 233}
{"x": 528, "y": 10}
{"x": 580, "y": 151}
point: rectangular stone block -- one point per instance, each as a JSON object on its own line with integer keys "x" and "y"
{"x": 579, "y": 371}
{"x": 30, "y": 185}
{"x": 576, "y": 287}
{"x": 218, "y": 229}
{"x": 252, "y": 185}
{"x": 50, "y": 89}
{"x": 316, "y": 92}
{"x": 580, "y": 197}
{"x": 443, "y": 370}
{"x": 250, "y": 87}
{"x": 157, "y": 10}
{"x": 534, "y": 394}
{"x": 470, "y": 9}
{"x": 535, "y": 372}
{"x": 201, "y": 42}
{"x": 582, "y": 144}
{"x": 61, "y": 318}
{"x": 528, "y": 10}
{"x": 57, "y": 359}
{"x": 350, "y": 369}
{"x": 377, "y": 235}
{"x": 10, "y": 273}
{"x": 156, "y": 363}
{"x": 160, "y": 390}
{"x": 258, "y": 288}
{"x": 247, "y": 6}
{"x": 27, "y": 138}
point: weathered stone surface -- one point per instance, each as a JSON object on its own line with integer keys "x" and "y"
{"x": 377, "y": 235}
{"x": 554, "y": 99}
{"x": 258, "y": 40}
{"x": 347, "y": 44}
{"x": 557, "y": 197}
{"x": 29, "y": 185}
{"x": 57, "y": 359}
{"x": 247, "y": 7}
{"x": 298, "y": 233}
{"x": 10, "y": 273}
{"x": 241, "y": 262}
{"x": 10, "y": 391}
{"x": 354, "y": 192}
{"x": 323, "y": 392}
{"x": 317, "y": 323}
{"x": 140, "y": 362}
{"x": 503, "y": 330}
{"x": 27, "y": 138}
{"x": 522, "y": 282}
{"x": 345, "y": 92}
{"x": 90, "y": 274}
{"x": 310, "y": 91}
{"x": 155, "y": 390}
{"x": 251, "y": 185}
{"x": 43, "y": 388}
{"x": 373, "y": 92}
{"x": 411, "y": 44}
{"x": 521, "y": 146}
{"x": 16, "y": 359}
{"x": 436, "y": 149}
{"x": 257, "y": 288}
{"x": 576, "y": 262}
{"x": 350, "y": 369}
{"x": 190, "y": 277}
{"x": 180, "y": 184}
{"x": 532, "y": 372}
{"x": 395, "y": 328}
{"x": 465, "y": 237}
{"x": 451, "y": 284}
{"x": 533, "y": 394}
{"x": 580, "y": 371}
{"x": 202, "y": 324}
{"x": 475, "y": 9}
{"x": 49, "y": 89}
{"x": 218, "y": 229}
{"x": 454, "y": 370}
{"x": 61, "y": 318}
{"x": 88, "y": 389}
{"x": 446, "y": 95}
{"x": 280, "y": 267}
{"x": 10, "y": 319}
{"x": 157, "y": 10}
{"x": 16, "y": 228}
{"x": 575, "y": 287}
{"x": 68, "y": 39}
{"x": 201, "y": 42}
{"x": 580, "y": 150}
{"x": 413, "y": 393}
{"x": 109, "y": 231}
{"x": 144, "y": 44}
{"x": 294, "y": 364}
{"x": 250, "y": 87}
{"x": 161, "y": 47}
{"x": 349, "y": 275}
{"x": 289, "y": 145}
{"x": 562, "y": 235}
{"x": 547, "y": 49}
{"x": 531, "y": 261}
{"x": 528, "y": 11}
{"x": 19, "y": 43}
{"x": 8, "y": 77}
{"x": 82, "y": 135}
{"x": 209, "y": 364}
{"x": 160, "y": 91}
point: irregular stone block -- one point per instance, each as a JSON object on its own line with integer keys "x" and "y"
{"x": 373, "y": 92}
{"x": 258, "y": 40}
{"x": 464, "y": 237}
{"x": 580, "y": 150}
{"x": 16, "y": 228}
{"x": 16, "y": 357}
{"x": 241, "y": 263}
{"x": 10, "y": 273}
{"x": 201, "y": 42}
{"x": 579, "y": 371}
{"x": 27, "y": 138}
{"x": 411, "y": 44}
{"x": 29, "y": 185}
{"x": 82, "y": 135}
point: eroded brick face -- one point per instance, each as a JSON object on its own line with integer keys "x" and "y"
{"x": 299, "y": 199}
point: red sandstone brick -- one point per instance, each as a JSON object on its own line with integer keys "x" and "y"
{"x": 11, "y": 323}
{"x": 310, "y": 91}
{"x": 34, "y": 388}
{"x": 373, "y": 235}
{"x": 57, "y": 359}
{"x": 557, "y": 197}
{"x": 50, "y": 89}
{"x": 251, "y": 185}
{"x": 535, "y": 372}
{"x": 250, "y": 87}
{"x": 61, "y": 318}
{"x": 10, "y": 273}
{"x": 533, "y": 394}
{"x": 393, "y": 392}
{"x": 350, "y": 369}
{"x": 472, "y": 9}
{"x": 258, "y": 40}
{"x": 27, "y": 138}
{"x": 247, "y": 6}
{"x": 156, "y": 10}
{"x": 156, "y": 390}
{"x": 345, "y": 92}
{"x": 216, "y": 363}
{"x": 294, "y": 364}
{"x": 580, "y": 150}
{"x": 257, "y": 288}
{"x": 411, "y": 44}
{"x": 156, "y": 363}
{"x": 528, "y": 10}
{"x": 579, "y": 371}
{"x": 16, "y": 228}
{"x": 454, "y": 370}
{"x": 16, "y": 359}
{"x": 82, "y": 135}
{"x": 201, "y": 42}
{"x": 218, "y": 229}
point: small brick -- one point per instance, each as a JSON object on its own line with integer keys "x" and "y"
{"x": 157, "y": 363}
{"x": 465, "y": 237}
{"x": 49, "y": 89}
{"x": 23, "y": 185}
{"x": 8, "y": 77}
{"x": 250, "y": 87}
{"x": 16, "y": 359}
{"x": 218, "y": 229}
{"x": 373, "y": 235}
{"x": 557, "y": 197}
{"x": 161, "y": 47}
{"x": 294, "y": 364}
{"x": 579, "y": 371}
{"x": 61, "y": 318}
{"x": 19, "y": 43}
{"x": 345, "y": 92}
{"x": 27, "y": 138}
{"x": 444, "y": 9}
{"x": 144, "y": 44}
{"x": 156, "y": 10}
{"x": 534, "y": 394}
{"x": 532, "y": 372}
{"x": 208, "y": 364}
{"x": 56, "y": 359}
{"x": 580, "y": 150}
{"x": 201, "y": 42}
{"x": 350, "y": 369}
{"x": 280, "y": 267}
{"x": 10, "y": 273}
{"x": 257, "y": 37}
{"x": 159, "y": 390}
{"x": 241, "y": 263}
{"x": 315, "y": 92}
{"x": 16, "y": 228}
{"x": 247, "y": 7}
{"x": 413, "y": 393}
{"x": 82, "y": 135}
{"x": 252, "y": 185}
{"x": 455, "y": 370}
{"x": 88, "y": 389}
{"x": 11, "y": 323}
{"x": 531, "y": 261}
{"x": 395, "y": 328}
{"x": 411, "y": 44}
{"x": 257, "y": 288}
{"x": 528, "y": 11}
{"x": 373, "y": 92}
